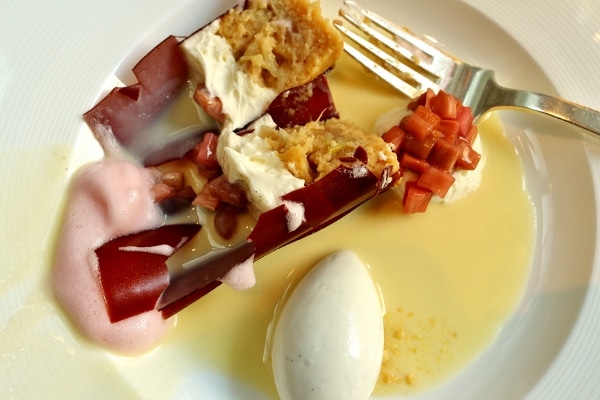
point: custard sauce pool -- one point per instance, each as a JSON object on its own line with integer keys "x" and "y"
{"x": 449, "y": 278}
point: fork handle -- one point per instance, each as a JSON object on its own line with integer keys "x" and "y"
{"x": 565, "y": 110}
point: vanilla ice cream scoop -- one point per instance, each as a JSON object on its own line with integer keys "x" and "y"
{"x": 328, "y": 342}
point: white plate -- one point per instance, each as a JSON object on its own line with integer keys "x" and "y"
{"x": 55, "y": 60}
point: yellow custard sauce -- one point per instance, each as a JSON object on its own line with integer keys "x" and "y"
{"x": 449, "y": 278}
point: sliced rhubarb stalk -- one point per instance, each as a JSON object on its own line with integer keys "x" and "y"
{"x": 301, "y": 105}
{"x": 334, "y": 192}
{"x": 324, "y": 202}
{"x": 200, "y": 277}
{"x": 123, "y": 114}
{"x": 132, "y": 268}
{"x": 126, "y": 110}
{"x": 338, "y": 192}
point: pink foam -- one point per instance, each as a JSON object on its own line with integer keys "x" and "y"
{"x": 108, "y": 199}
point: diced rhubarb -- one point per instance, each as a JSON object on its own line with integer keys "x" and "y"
{"x": 186, "y": 193}
{"x": 470, "y": 135}
{"x": 162, "y": 191}
{"x": 173, "y": 178}
{"x": 132, "y": 268}
{"x": 417, "y": 165}
{"x": 227, "y": 192}
{"x": 418, "y": 148}
{"x": 181, "y": 200}
{"x": 449, "y": 129}
{"x": 416, "y": 199}
{"x": 212, "y": 105}
{"x": 445, "y": 105}
{"x": 468, "y": 158}
{"x": 421, "y": 125}
{"x": 438, "y": 137}
{"x": 402, "y": 123}
{"x": 226, "y": 221}
{"x": 205, "y": 152}
{"x": 206, "y": 199}
{"x": 436, "y": 180}
{"x": 444, "y": 155}
{"x": 425, "y": 112}
{"x": 465, "y": 118}
{"x": 409, "y": 175}
{"x": 423, "y": 100}
{"x": 394, "y": 136}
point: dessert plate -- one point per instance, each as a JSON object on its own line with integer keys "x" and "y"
{"x": 58, "y": 59}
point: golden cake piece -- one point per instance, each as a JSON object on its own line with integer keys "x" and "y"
{"x": 311, "y": 151}
{"x": 281, "y": 43}
{"x": 240, "y": 62}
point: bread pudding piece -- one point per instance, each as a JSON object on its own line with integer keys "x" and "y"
{"x": 240, "y": 62}
{"x": 270, "y": 162}
{"x": 311, "y": 151}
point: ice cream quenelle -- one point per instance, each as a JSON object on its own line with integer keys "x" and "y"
{"x": 328, "y": 342}
{"x": 108, "y": 199}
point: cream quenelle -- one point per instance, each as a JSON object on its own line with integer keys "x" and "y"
{"x": 328, "y": 341}
{"x": 212, "y": 64}
{"x": 107, "y": 199}
{"x": 251, "y": 161}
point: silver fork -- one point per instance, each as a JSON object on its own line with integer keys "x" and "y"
{"x": 413, "y": 65}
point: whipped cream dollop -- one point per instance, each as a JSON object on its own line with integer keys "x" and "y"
{"x": 212, "y": 62}
{"x": 251, "y": 161}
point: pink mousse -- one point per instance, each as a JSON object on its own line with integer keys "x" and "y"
{"x": 107, "y": 199}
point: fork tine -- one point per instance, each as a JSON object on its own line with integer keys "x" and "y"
{"x": 429, "y": 66}
{"x": 403, "y": 42}
{"x": 376, "y": 67}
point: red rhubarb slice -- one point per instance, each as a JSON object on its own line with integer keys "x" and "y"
{"x": 301, "y": 105}
{"x": 132, "y": 268}
{"x": 123, "y": 113}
